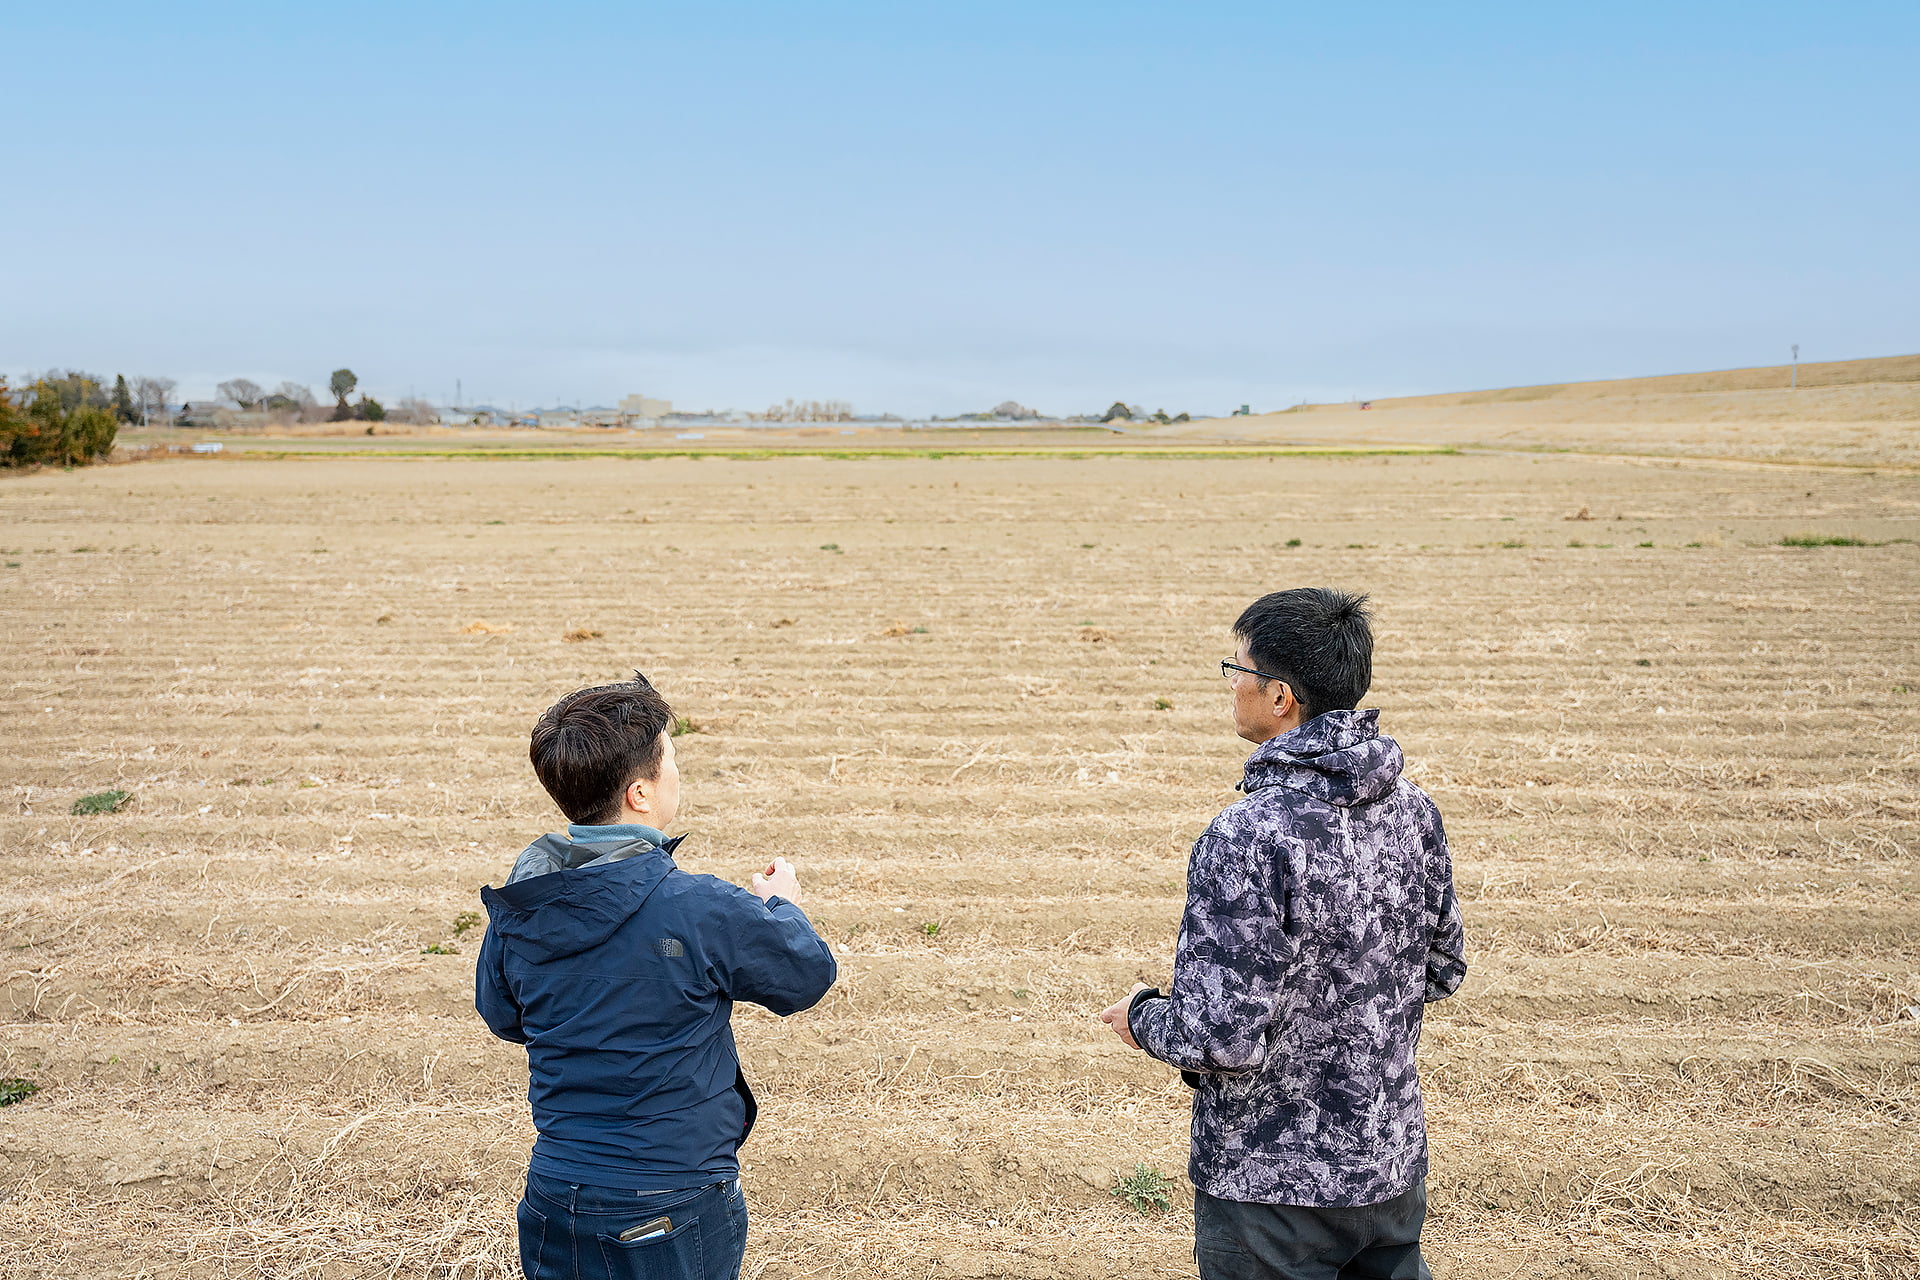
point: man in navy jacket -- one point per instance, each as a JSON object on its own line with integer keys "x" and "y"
{"x": 1320, "y": 921}
{"x": 618, "y": 972}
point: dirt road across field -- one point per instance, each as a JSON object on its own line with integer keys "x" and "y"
{"x": 977, "y": 701}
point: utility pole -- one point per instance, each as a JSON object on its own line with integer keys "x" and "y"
{"x": 1795, "y": 385}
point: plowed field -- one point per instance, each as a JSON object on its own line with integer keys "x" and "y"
{"x": 976, "y": 701}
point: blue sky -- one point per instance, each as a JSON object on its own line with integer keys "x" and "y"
{"x": 931, "y": 208}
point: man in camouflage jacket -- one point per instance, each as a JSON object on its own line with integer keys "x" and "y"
{"x": 1320, "y": 920}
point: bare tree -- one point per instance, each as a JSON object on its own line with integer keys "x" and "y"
{"x": 242, "y": 392}
{"x": 415, "y": 410}
{"x": 810, "y": 411}
{"x": 152, "y": 395}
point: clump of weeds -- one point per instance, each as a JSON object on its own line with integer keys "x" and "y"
{"x": 16, "y": 1089}
{"x": 1823, "y": 540}
{"x": 101, "y": 802}
{"x": 464, "y": 921}
{"x": 1146, "y": 1189}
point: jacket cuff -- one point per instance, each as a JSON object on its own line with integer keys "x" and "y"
{"x": 1133, "y": 1011}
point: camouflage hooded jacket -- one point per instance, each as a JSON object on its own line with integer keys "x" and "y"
{"x": 1320, "y": 920}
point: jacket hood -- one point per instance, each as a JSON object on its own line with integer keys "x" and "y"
{"x": 1340, "y": 757}
{"x": 563, "y": 898}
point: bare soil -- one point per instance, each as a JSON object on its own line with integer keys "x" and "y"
{"x": 1680, "y": 781}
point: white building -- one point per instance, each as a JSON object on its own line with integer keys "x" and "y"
{"x": 639, "y": 406}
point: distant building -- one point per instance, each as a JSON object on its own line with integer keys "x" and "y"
{"x": 639, "y": 406}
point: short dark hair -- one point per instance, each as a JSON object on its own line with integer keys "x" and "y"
{"x": 588, "y": 747}
{"x": 1320, "y": 641}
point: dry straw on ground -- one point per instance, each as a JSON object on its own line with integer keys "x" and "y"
{"x": 1679, "y": 780}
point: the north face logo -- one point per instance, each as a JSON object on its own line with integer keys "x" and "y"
{"x": 669, "y": 947}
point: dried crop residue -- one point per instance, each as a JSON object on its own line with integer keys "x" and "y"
{"x": 1687, "y": 1046}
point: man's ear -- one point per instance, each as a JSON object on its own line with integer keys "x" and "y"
{"x": 636, "y": 795}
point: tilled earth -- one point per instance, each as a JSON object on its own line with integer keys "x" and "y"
{"x": 976, "y": 701}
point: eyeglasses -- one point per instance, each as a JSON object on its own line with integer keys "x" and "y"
{"x": 1228, "y": 667}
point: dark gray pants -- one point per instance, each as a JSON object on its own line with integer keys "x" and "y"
{"x": 1234, "y": 1240}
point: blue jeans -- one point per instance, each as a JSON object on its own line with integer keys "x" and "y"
{"x": 571, "y": 1232}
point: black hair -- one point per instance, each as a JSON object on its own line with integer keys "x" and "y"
{"x": 588, "y": 747}
{"x": 1320, "y": 641}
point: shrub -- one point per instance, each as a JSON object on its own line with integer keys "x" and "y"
{"x": 14, "y": 1089}
{"x": 57, "y": 421}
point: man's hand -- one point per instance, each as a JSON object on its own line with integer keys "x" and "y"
{"x": 777, "y": 880}
{"x": 1116, "y": 1017}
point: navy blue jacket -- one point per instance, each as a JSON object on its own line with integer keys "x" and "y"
{"x": 618, "y": 972}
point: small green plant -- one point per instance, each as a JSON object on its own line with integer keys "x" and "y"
{"x": 1823, "y": 540}
{"x": 1575, "y": 542}
{"x": 684, "y": 725}
{"x": 14, "y": 1089}
{"x": 1643, "y": 662}
{"x": 831, "y": 546}
{"x": 1293, "y": 542}
{"x": 918, "y": 631}
{"x": 931, "y": 928}
{"x": 1513, "y": 545}
{"x": 1146, "y": 1189}
{"x": 1646, "y": 544}
{"x": 464, "y": 921}
{"x": 1163, "y": 704}
{"x": 1021, "y": 993}
{"x": 496, "y": 522}
{"x": 438, "y": 949}
{"x": 101, "y": 802}
{"x": 1086, "y": 546}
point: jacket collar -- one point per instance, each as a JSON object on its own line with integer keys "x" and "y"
{"x": 1340, "y": 757}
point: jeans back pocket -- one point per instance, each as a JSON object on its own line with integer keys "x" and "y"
{"x": 533, "y": 1239}
{"x": 671, "y": 1255}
